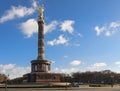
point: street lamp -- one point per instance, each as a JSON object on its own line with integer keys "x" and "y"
{"x": 112, "y": 80}
{"x": 6, "y": 82}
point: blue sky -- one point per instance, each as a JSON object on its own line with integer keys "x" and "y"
{"x": 80, "y": 35}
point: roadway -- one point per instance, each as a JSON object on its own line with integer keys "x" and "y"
{"x": 63, "y": 89}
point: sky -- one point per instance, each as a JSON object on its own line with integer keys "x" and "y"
{"x": 80, "y": 35}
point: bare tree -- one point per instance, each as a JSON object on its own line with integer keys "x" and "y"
{"x": 3, "y": 78}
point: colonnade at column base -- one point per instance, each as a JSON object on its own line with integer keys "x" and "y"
{"x": 40, "y": 66}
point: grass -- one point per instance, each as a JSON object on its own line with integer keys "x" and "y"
{"x": 35, "y": 85}
{"x": 99, "y": 85}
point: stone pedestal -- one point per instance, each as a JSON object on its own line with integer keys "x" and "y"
{"x": 40, "y": 73}
{"x": 41, "y": 78}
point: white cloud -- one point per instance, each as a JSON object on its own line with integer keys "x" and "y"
{"x": 13, "y": 70}
{"x": 67, "y": 26}
{"x": 19, "y": 71}
{"x": 99, "y": 65}
{"x": 34, "y": 3}
{"x": 7, "y": 66}
{"x": 60, "y": 40}
{"x": 108, "y": 29}
{"x": 108, "y": 33}
{"x": 65, "y": 70}
{"x": 65, "y": 56}
{"x": 56, "y": 69}
{"x": 50, "y": 27}
{"x": 3, "y": 68}
{"x": 16, "y": 12}
{"x": 29, "y": 27}
{"x": 99, "y": 30}
{"x": 75, "y": 62}
{"x": 70, "y": 70}
{"x": 117, "y": 63}
{"x": 80, "y": 35}
{"x": 114, "y": 24}
{"x": 53, "y": 62}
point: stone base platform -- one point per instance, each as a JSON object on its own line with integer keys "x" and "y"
{"x": 39, "y": 77}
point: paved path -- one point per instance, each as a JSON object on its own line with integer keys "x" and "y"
{"x": 62, "y": 89}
